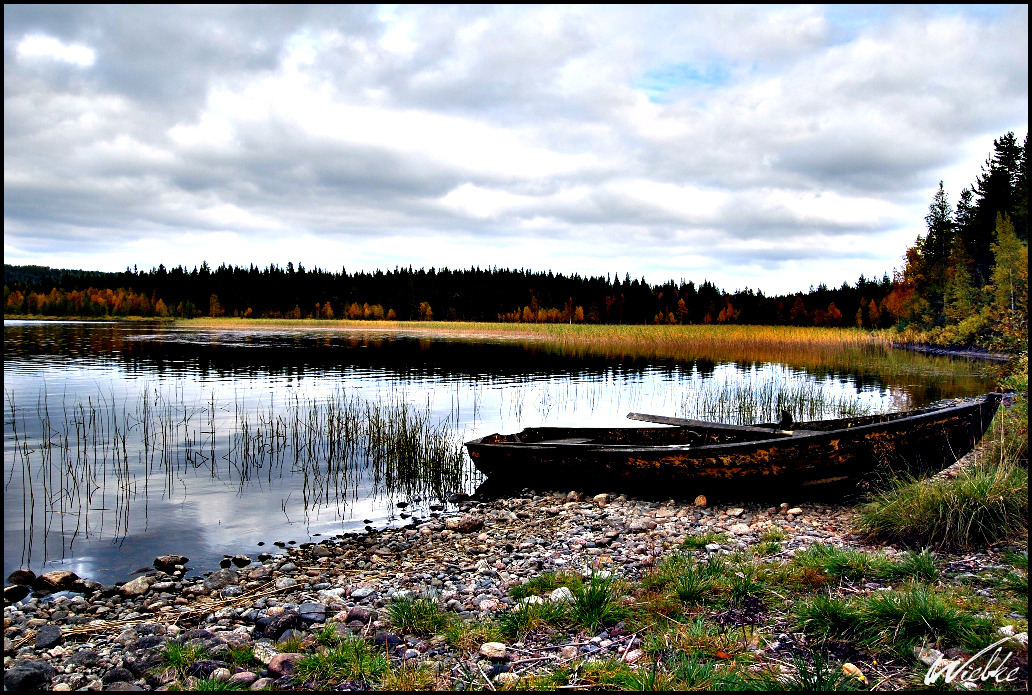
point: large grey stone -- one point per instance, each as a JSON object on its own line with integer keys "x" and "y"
{"x": 22, "y": 577}
{"x": 167, "y": 563}
{"x": 138, "y": 586}
{"x": 48, "y": 636}
{"x": 312, "y": 612}
{"x": 28, "y": 676}
{"x": 220, "y": 579}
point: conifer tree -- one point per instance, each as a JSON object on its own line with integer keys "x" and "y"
{"x": 1010, "y": 286}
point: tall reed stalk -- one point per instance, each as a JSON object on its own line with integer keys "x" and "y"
{"x": 331, "y": 443}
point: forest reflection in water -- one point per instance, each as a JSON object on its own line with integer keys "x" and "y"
{"x": 124, "y": 441}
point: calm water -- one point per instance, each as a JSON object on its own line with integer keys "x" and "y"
{"x": 126, "y": 441}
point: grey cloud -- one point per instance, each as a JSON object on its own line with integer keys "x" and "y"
{"x": 798, "y": 107}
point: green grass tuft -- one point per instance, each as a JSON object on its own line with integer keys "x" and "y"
{"x": 700, "y": 542}
{"x": 915, "y": 614}
{"x": 420, "y": 615}
{"x": 828, "y": 617}
{"x": 596, "y": 602}
{"x": 177, "y": 656}
{"x": 525, "y": 617}
{"x": 353, "y": 659}
{"x": 544, "y": 583}
{"x": 984, "y": 504}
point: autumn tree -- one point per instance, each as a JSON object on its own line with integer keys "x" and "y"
{"x": 1009, "y": 286}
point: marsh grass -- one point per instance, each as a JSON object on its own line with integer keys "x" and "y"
{"x": 825, "y": 352}
{"x": 765, "y": 397}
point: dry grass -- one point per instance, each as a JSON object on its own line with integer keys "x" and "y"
{"x": 785, "y": 344}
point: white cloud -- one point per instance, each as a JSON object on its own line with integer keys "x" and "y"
{"x": 41, "y": 46}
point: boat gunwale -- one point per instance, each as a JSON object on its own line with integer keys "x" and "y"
{"x": 785, "y": 437}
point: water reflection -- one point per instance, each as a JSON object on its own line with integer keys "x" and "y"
{"x": 126, "y": 441}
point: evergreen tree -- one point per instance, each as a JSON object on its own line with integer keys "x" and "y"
{"x": 936, "y": 251}
{"x": 961, "y": 299}
{"x": 1010, "y": 286}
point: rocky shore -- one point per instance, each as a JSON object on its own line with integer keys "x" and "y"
{"x": 112, "y": 637}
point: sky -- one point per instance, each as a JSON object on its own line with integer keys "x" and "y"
{"x": 771, "y": 147}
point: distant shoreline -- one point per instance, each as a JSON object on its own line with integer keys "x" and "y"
{"x": 497, "y": 329}
{"x": 967, "y": 353}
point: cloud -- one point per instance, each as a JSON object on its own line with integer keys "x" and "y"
{"x": 38, "y": 46}
{"x": 564, "y": 138}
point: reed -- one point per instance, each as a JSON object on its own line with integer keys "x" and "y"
{"x": 88, "y": 461}
{"x": 783, "y": 344}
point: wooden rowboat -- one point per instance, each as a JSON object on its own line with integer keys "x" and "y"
{"x": 696, "y": 454}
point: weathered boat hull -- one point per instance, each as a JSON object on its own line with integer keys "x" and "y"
{"x": 710, "y": 455}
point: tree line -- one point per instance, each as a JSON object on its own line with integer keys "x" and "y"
{"x": 965, "y": 281}
{"x": 403, "y": 294}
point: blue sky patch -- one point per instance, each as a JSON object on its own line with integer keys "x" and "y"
{"x": 660, "y": 85}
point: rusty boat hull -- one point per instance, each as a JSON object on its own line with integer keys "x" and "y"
{"x": 700, "y": 455}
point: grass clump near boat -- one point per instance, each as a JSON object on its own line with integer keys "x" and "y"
{"x": 983, "y": 505}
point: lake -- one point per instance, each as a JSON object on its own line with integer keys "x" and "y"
{"x": 124, "y": 441}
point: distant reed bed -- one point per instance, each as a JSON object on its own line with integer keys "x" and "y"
{"x": 780, "y": 344}
{"x": 785, "y": 344}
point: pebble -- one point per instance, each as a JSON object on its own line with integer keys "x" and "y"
{"x": 468, "y": 560}
{"x": 493, "y": 650}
